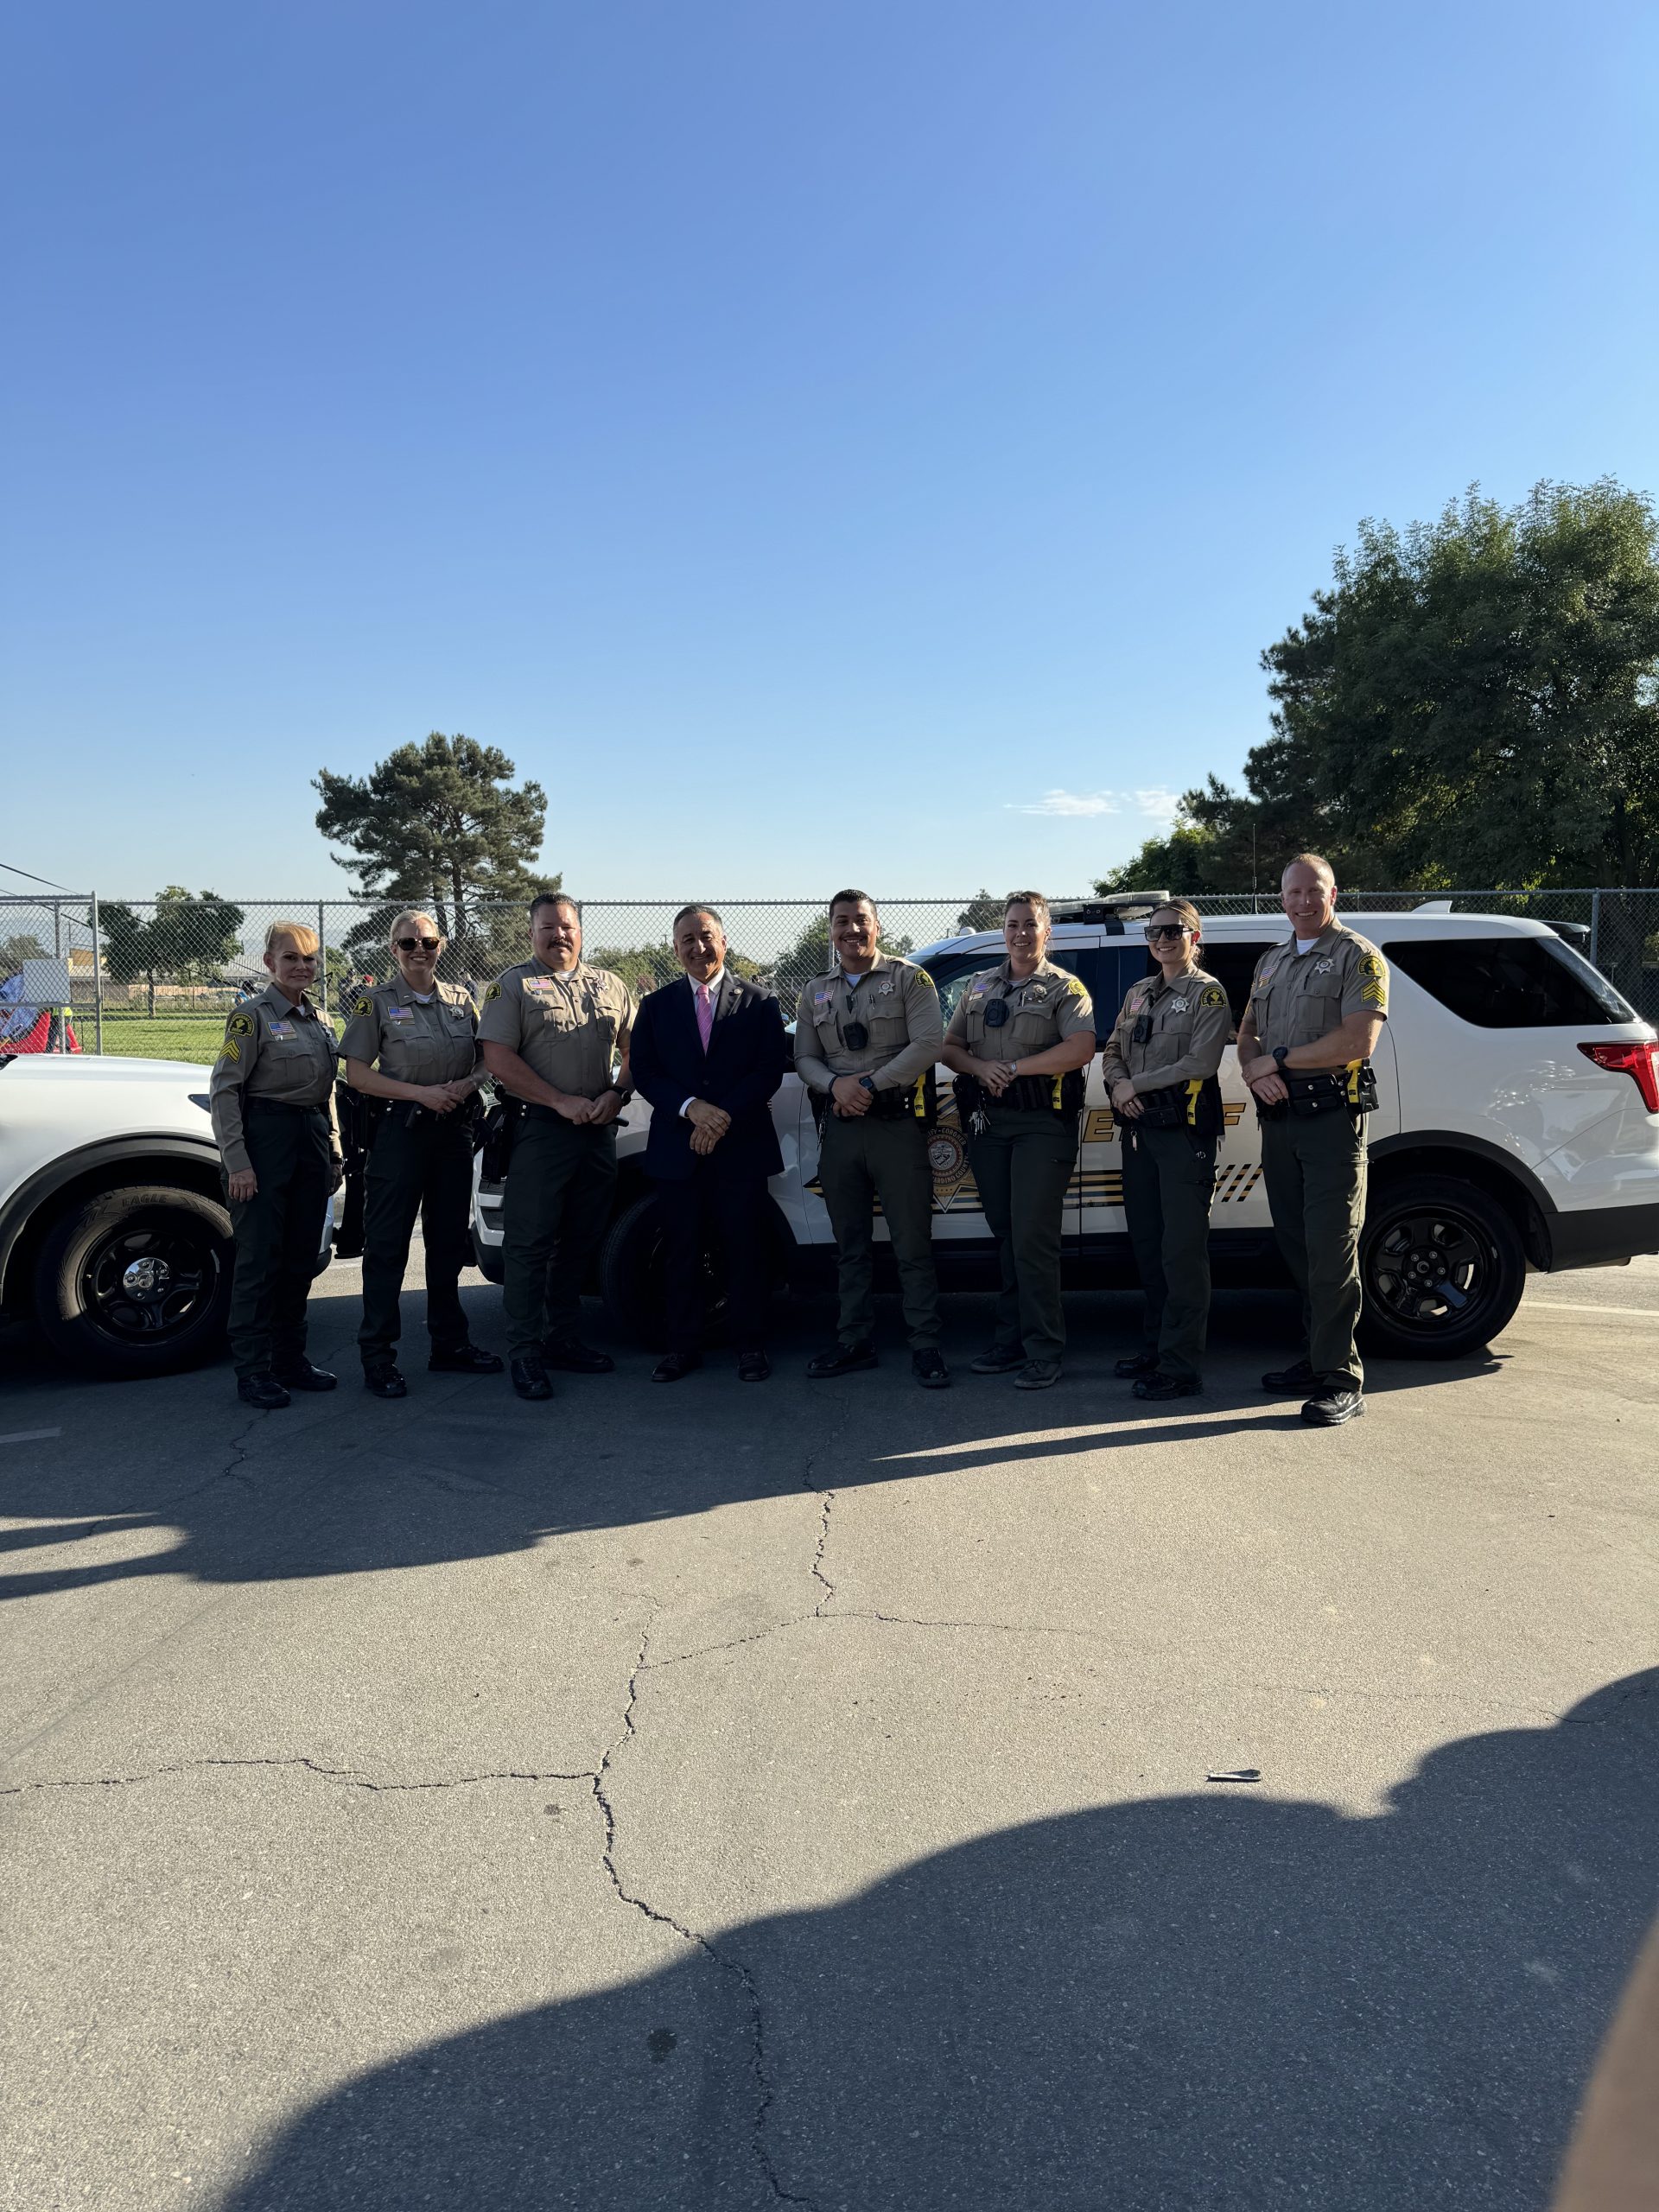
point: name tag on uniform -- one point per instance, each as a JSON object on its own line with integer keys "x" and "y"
{"x": 283, "y": 1029}
{"x": 399, "y": 1012}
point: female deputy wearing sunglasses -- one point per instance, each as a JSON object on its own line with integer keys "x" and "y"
{"x": 1021, "y": 1037}
{"x": 412, "y": 1045}
{"x": 1159, "y": 1064}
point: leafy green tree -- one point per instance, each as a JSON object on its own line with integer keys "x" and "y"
{"x": 983, "y": 911}
{"x": 191, "y": 938}
{"x": 439, "y": 825}
{"x": 1473, "y": 702}
{"x": 121, "y": 935}
{"x": 811, "y": 955}
{"x": 13, "y": 950}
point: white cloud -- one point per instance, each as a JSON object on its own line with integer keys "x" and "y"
{"x": 1157, "y": 804}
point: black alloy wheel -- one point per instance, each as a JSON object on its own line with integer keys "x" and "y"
{"x": 1442, "y": 1268}
{"x": 137, "y": 1281}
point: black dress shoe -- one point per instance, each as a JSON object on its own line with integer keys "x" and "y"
{"x": 1332, "y": 1407}
{"x": 263, "y": 1391}
{"x": 674, "y": 1366}
{"x": 463, "y": 1359}
{"x": 571, "y": 1358}
{"x": 929, "y": 1370}
{"x": 304, "y": 1376}
{"x": 1167, "y": 1386}
{"x": 529, "y": 1379}
{"x": 1288, "y": 1381}
{"x": 753, "y": 1367}
{"x": 844, "y": 1359}
{"x": 384, "y": 1380}
{"x": 1038, "y": 1374}
{"x": 1131, "y": 1371}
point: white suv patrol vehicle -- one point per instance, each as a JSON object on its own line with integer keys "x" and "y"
{"x": 1517, "y": 1127}
{"x": 114, "y": 1237}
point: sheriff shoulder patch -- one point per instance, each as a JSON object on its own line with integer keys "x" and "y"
{"x": 364, "y": 1005}
{"x": 239, "y": 1025}
{"x": 1372, "y": 964}
{"x": 1214, "y": 996}
{"x": 494, "y": 992}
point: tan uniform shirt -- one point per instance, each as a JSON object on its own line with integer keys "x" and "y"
{"x": 1189, "y": 1025}
{"x": 1044, "y": 1008}
{"x": 434, "y": 1043}
{"x": 569, "y": 1029}
{"x": 1298, "y": 998}
{"x": 899, "y": 1008}
{"x": 272, "y": 1049}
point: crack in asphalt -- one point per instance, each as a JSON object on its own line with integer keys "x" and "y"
{"x": 717, "y": 1957}
{"x": 345, "y": 1777}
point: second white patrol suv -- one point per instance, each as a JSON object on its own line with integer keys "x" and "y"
{"x": 1517, "y": 1127}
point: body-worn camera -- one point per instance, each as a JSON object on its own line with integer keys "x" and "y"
{"x": 996, "y": 1012}
{"x": 857, "y": 1036}
{"x": 1142, "y": 1033}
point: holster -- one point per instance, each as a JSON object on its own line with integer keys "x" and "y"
{"x": 492, "y": 1136}
{"x": 1324, "y": 1090}
{"x": 1194, "y": 1106}
{"x": 1061, "y": 1095}
{"x": 359, "y": 1116}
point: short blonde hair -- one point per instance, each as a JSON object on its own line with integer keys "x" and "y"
{"x": 300, "y": 935}
{"x": 1317, "y": 862}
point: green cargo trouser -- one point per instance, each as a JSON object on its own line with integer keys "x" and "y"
{"x": 561, "y": 1178}
{"x": 423, "y": 1168}
{"x": 862, "y": 1161}
{"x": 1022, "y": 1163}
{"x": 1169, "y": 1179}
{"x": 1315, "y": 1168}
{"x": 278, "y": 1235}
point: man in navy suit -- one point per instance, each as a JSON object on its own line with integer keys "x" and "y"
{"x": 709, "y": 1053}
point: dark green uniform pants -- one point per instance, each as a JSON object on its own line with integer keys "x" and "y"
{"x": 561, "y": 1180}
{"x": 278, "y": 1235}
{"x": 1022, "y": 1164}
{"x": 425, "y": 1168}
{"x": 861, "y": 1160}
{"x": 1169, "y": 1179}
{"x": 1315, "y": 1168}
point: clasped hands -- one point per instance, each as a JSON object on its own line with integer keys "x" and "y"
{"x": 1125, "y": 1102}
{"x": 590, "y": 1113}
{"x": 1263, "y": 1077}
{"x": 708, "y": 1124}
{"x": 444, "y": 1097}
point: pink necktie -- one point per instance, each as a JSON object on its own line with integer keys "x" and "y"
{"x": 705, "y": 1015}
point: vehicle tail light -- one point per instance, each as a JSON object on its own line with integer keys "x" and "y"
{"x": 1639, "y": 1060}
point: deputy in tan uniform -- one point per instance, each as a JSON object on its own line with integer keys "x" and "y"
{"x": 1316, "y": 1008}
{"x": 552, "y": 1033}
{"x": 1021, "y": 1037}
{"x": 1159, "y": 1063}
{"x": 412, "y": 1044}
{"x": 868, "y": 1035}
{"x": 271, "y": 1095}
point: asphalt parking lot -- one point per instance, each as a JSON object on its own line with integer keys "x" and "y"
{"x": 718, "y": 1798}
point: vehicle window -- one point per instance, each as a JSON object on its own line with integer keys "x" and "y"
{"x": 951, "y": 972}
{"x": 1097, "y": 966}
{"x": 1233, "y": 964}
{"x": 1509, "y": 982}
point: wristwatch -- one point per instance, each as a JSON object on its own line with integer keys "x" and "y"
{"x": 865, "y": 1084}
{"x": 1282, "y": 1053}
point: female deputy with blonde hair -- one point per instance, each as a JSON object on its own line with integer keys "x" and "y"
{"x": 411, "y": 1045}
{"x": 271, "y": 1095}
{"x": 1019, "y": 1038}
{"x": 1159, "y": 1063}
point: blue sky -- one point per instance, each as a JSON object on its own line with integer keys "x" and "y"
{"x": 815, "y": 438}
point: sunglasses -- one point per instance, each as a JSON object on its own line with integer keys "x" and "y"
{"x": 1155, "y": 929}
{"x": 426, "y": 944}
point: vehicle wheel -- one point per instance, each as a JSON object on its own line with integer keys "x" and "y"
{"x": 1442, "y": 1268}
{"x": 631, "y": 1275}
{"x": 489, "y": 1259}
{"x": 137, "y": 1281}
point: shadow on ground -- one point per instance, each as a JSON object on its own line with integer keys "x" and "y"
{"x": 345, "y": 1483}
{"x": 1196, "y": 2002}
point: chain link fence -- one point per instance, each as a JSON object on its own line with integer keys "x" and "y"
{"x": 156, "y": 977}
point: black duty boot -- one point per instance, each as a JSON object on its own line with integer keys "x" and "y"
{"x": 262, "y": 1391}
{"x": 384, "y": 1380}
{"x": 675, "y": 1366}
{"x": 843, "y": 1359}
{"x": 1167, "y": 1386}
{"x": 1001, "y": 1359}
{"x": 463, "y": 1359}
{"x": 529, "y": 1379}
{"x": 1131, "y": 1371}
{"x": 929, "y": 1370}
{"x": 1038, "y": 1374}
{"x": 753, "y": 1366}
{"x": 1285, "y": 1382}
{"x": 303, "y": 1377}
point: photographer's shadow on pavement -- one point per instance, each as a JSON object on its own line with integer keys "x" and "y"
{"x": 1205, "y": 2001}
{"x": 343, "y": 1483}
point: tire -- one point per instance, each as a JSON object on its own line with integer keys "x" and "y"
{"x": 631, "y": 1274}
{"x": 109, "y": 1313}
{"x": 1442, "y": 1268}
